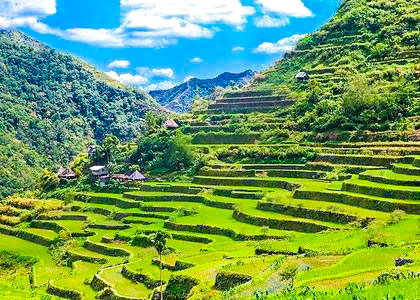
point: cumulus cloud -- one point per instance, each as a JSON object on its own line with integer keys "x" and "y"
{"x": 164, "y": 85}
{"x": 196, "y": 60}
{"x": 18, "y": 8}
{"x": 291, "y": 8}
{"x": 165, "y": 12}
{"x": 127, "y": 78}
{"x": 155, "y": 72}
{"x": 283, "y": 45}
{"x": 238, "y": 49}
{"x": 270, "y": 22}
{"x": 119, "y": 64}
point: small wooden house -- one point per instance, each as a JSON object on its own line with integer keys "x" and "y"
{"x": 120, "y": 177}
{"x": 302, "y": 76}
{"x": 170, "y": 124}
{"x": 66, "y": 173}
{"x": 137, "y": 176}
{"x": 99, "y": 170}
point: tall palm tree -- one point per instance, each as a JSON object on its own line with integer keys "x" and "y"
{"x": 159, "y": 243}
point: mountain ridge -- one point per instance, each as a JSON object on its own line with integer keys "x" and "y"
{"x": 180, "y": 97}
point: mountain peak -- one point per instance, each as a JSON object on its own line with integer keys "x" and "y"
{"x": 180, "y": 98}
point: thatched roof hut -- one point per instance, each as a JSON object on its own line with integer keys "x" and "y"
{"x": 137, "y": 176}
{"x": 170, "y": 124}
{"x": 66, "y": 173}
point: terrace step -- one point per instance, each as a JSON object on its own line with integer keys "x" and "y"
{"x": 249, "y": 99}
{"x": 307, "y": 213}
{"x": 389, "y": 177}
{"x": 260, "y": 166}
{"x": 406, "y": 169}
{"x": 250, "y": 105}
{"x": 263, "y": 173}
{"x": 244, "y": 181}
{"x": 248, "y": 94}
{"x": 275, "y": 220}
{"x": 365, "y": 160}
{"x": 381, "y": 190}
{"x": 359, "y": 200}
{"x": 350, "y": 169}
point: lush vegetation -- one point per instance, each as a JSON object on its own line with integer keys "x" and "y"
{"x": 52, "y": 105}
{"x": 363, "y": 68}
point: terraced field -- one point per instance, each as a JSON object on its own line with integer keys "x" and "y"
{"x": 347, "y": 215}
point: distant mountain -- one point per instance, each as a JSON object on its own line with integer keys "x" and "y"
{"x": 180, "y": 98}
{"x": 52, "y": 105}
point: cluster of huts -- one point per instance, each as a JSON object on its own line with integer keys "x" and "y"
{"x": 102, "y": 172}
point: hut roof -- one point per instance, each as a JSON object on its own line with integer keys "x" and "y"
{"x": 120, "y": 177}
{"x": 137, "y": 176}
{"x": 302, "y": 75}
{"x": 97, "y": 168}
{"x": 170, "y": 124}
{"x": 63, "y": 172}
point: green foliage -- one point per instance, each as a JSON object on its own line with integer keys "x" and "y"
{"x": 164, "y": 151}
{"x": 363, "y": 69}
{"x": 53, "y": 104}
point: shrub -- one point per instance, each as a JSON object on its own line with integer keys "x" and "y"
{"x": 396, "y": 217}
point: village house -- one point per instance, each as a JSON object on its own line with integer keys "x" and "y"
{"x": 66, "y": 173}
{"x": 302, "y": 76}
{"x": 99, "y": 170}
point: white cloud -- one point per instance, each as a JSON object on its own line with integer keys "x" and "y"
{"x": 188, "y": 78}
{"x": 238, "y": 49}
{"x": 164, "y": 85}
{"x": 18, "y": 8}
{"x": 128, "y": 78}
{"x": 196, "y": 60}
{"x": 230, "y": 12}
{"x": 119, "y": 64}
{"x": 155, "y": 72}
{"x": 270, "y": 22}
{"x": 283, "y": 45}
{"x": 291, "y": 8}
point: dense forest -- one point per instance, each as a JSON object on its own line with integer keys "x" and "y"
{"x": 52, "y": 105}
{"x": 363, "y": 69}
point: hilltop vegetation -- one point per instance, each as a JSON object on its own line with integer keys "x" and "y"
{"x": 52, "y": 105}
{"x": 363, "y": 66}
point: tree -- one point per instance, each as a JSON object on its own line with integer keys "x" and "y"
{"x": 289, "y": 271}
{"x": 159, "y": 243}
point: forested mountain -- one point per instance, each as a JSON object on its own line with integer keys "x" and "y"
{"x": 52, "y": 105}
{"x": 180, "y": 98}
{"x": 363, "y": 66}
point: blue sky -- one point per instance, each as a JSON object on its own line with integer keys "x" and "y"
{"x": 159, "y": 43}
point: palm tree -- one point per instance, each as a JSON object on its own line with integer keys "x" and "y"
{"x": 159, "y": 243}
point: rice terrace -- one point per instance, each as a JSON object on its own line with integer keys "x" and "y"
{"x": 301, "y": 181}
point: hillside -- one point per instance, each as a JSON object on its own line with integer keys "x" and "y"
{"x": 289, "y": 190}
{"x": 363, "y": 61}
{"x": 180, "y": 98}
{"x": 52, "y": 105}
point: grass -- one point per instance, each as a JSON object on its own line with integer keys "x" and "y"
{"x": 364, "y": 261}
